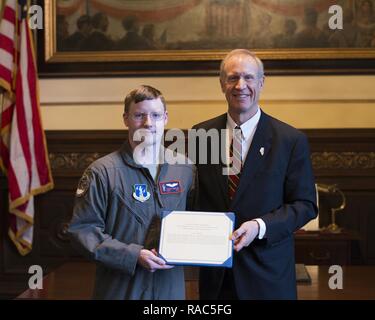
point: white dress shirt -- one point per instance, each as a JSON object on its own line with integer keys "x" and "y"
{"x": 248, "y": 129}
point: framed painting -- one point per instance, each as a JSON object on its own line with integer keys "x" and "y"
{"x": 187, "y": 37}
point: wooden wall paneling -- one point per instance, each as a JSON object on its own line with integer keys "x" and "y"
{"x": 342, "y": 156}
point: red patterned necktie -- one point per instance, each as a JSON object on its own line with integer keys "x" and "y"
{"x": 235, "y": 153}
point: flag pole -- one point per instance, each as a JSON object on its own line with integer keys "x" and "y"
{"x": 2, "y": 93}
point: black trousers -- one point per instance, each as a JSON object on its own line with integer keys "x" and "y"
{"x": 228, "y": 288}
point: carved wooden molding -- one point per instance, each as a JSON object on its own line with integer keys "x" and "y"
{"x": 343, "y": 160}
{"x": 320, "y": 160}
{"x": 75, "y": 160}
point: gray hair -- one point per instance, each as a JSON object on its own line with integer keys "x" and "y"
{"x": 241, "y": 52}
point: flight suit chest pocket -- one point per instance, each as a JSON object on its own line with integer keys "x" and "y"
{"x": 172, "y": 194}
{"x": 141, "y": 211}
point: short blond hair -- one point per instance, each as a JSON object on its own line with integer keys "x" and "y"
{"x": 142, "y": 93}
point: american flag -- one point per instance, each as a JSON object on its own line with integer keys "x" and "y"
{"x": 23, "y": 151}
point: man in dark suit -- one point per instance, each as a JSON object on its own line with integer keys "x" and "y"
{"x": 271, "y": 192}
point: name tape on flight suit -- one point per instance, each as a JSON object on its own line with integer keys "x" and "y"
{"x": 170, "y": 187}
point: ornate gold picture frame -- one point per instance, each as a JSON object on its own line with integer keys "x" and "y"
{"x": 152, "y": 37}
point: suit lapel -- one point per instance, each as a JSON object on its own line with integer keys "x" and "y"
{"x": 256, "y": 156}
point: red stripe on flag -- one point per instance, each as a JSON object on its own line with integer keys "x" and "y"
{"x": 9, "y": 15}
{"x": 6, "y": 44}
{"x": 39, "y": 147}
{"x": 7, "y": 116}
{"x": 14, "y": 189}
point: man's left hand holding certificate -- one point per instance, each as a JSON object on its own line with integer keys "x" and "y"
{"x": 197, "y": 238}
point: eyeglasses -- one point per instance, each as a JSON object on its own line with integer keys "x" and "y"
{"x": 141, "y": 116}
{"x": 248, "y": 78}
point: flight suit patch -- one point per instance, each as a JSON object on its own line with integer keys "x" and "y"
{"x": 84, "y": 183}
{"x": 140, "y": 192}
{"x": 170, "y": 187}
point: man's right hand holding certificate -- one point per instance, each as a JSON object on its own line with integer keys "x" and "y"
{"x": 245, "y": 234}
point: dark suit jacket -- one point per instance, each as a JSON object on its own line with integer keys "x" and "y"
{"x": 278, "y": 187}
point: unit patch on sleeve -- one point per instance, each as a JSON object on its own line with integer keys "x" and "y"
{"x": 84, "y": 183}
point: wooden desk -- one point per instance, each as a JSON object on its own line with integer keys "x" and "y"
{"x": 322, "y": 248}
{"x": 75, "y": 280}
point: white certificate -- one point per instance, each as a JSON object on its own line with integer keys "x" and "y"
{"x": 197, "y": 238}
